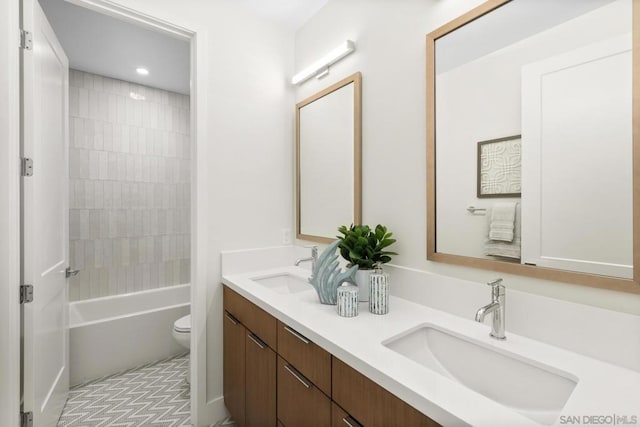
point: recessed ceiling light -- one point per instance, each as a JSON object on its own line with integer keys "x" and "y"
{"x": 142, "y": 71}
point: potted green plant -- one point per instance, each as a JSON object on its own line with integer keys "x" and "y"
{"x": 366, "y": 248}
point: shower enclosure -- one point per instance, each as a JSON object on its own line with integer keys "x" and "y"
{"x": 129, "y": 217}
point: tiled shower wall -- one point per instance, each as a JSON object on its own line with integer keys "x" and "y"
{"x": 129, "y": 189}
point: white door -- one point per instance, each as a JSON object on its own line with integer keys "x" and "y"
{"x": 45, "y": 220}
{"x": 574, "y": 106}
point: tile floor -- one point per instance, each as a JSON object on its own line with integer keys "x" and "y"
{"x": 153, "y": 395}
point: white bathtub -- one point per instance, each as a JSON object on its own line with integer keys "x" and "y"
{"x": 111, "y": 334}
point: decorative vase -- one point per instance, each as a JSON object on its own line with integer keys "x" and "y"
{"x": 378, "y": 292}
{"x": 327, "y": 276}
{"x": 348, "y": 301}
{"x": 362, "y": 281}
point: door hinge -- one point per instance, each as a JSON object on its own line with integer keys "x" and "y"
{"x": 26, "y": 294}
{"x": 26, "y": 40}
{"x": 26, "y": 419}
{"x": 27, "y": 167}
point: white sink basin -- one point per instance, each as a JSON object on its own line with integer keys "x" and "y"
{"x": 284, "y": 283}
{"x": 535, "y": 390}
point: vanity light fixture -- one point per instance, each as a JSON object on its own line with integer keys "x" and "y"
{"x": 142, "y": 71}
{"x": 321, "y": 67}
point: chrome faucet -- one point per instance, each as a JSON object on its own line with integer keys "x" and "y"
{"x": 313, "y": 258}
{"x": 496, "y": 306}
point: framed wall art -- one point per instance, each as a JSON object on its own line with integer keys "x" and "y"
{"x": 499, "y": 167}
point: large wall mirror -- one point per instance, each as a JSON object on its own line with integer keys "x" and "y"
{"x": 328, "y": 160}
{"x": 533, "y": 115}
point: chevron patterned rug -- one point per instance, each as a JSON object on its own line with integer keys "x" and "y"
{"x": 150, "y": 396}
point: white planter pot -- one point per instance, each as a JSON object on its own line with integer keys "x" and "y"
{"x": 362, "y": 280}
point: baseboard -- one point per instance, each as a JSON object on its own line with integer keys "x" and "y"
{"x": 213, "y": 412}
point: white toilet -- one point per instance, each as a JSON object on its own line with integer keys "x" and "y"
{"x": 182, "y": 331}
{"x": 182, "y": 334}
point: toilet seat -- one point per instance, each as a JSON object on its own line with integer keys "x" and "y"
{"x": 183, "y": 324}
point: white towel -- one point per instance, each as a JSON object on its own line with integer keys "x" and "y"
{"x": 503, "y": 218}
{"x": 501, "y": 248}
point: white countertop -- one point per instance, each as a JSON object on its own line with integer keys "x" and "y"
{"x": 602, "y": 390}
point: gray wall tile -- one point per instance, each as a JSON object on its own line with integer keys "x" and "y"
{"x": 129, "y": 187}
{"x": 112, "y": 166}
{"x": 83, "y": 163}
{"x": 98, "y": 252}
{"x": 126, "y": 252}
{"x": 98, "y": 194}
{"x": 94, "y": 224}
{"x": 89, "y": 255}
{"x": 74, "y": 224}
{"x": 108, "y": 195}
{"x": 83, "y": 101}
{"x": 84, "y": 224}
{"x": 78, "y": 254}
{"x": 78, "y": 190}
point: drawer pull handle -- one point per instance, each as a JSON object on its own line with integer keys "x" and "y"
{"x": 256, "y": 340}
{"x": 230, "y": 317}
{"x": 297, "y": 335}
{"x": 299, "y": 377}
{"x": 348, "y": 420}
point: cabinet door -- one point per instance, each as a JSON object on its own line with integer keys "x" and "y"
{"x": 234, "y": 368}
{"x": 260, "y": 383}
{"x": 340, "y": 418}
{"x": 300, "y": 403}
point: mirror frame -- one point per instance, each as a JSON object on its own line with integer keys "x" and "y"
{"x": 592, "y": 280}
{"x": 356, "y": 79}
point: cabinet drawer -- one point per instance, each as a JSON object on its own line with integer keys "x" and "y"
{"x": 300, "y": 403}
{"x": 370, "y": 404}
{"x": 340, "y": 418}
{"x": 250, "y": 315}
{"x": 312, "y": 361}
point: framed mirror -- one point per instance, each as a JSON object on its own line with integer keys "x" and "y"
{"x": 328, "y": 160}
{"x": 533, "y": 141}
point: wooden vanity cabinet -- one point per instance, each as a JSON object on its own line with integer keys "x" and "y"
{"x": 249, "y": 364}
{"x": 275, "y": 376}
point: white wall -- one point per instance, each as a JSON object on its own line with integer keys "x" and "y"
{"x": 9, "y": 225}
{"x": 244, "y": 163}
{"x": 390, "y": 40}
